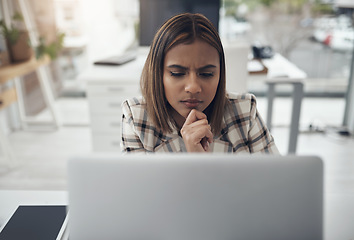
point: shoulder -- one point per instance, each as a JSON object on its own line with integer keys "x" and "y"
{"x": 243, "y": 102}
{"x": 238, "y": 97}
{"x": 134, "y": 109}
{"x": 138, "y": 126}
{"x": 133, "y": 105}
{"x": 133, "y": 102}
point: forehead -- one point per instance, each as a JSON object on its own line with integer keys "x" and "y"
{"x": 196, "y": 53}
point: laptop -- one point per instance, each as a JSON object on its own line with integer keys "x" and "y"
{"x": 195, "y": 197}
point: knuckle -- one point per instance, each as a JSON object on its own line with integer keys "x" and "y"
{"x": 183, "y": 131}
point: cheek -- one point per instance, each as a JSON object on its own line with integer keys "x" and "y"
{"x": 168, "y": 88}
{"x": 165, "y": 82}
{"x": 212, "y": 87}
{"x": 171, "y": 86}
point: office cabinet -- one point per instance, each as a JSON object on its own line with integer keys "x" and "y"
{"x": 107, "y": 88}
{"x": 105, "y": 112}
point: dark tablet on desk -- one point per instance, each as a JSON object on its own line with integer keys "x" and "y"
{"x": 117, "y": 60}
{"x": 34, "y": 222}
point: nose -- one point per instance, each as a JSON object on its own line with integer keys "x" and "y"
{"x": 192, "y": 85}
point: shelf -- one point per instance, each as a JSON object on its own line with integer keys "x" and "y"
{"x": 11, "y": 71}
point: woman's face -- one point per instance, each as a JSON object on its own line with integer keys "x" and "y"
{"x": 191, "y": 77}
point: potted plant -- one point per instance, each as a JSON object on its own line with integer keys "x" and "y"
{"x": 17, "y": 39}
{"x": 52, "y": 49}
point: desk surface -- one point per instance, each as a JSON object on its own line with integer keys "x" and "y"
{"x": 279, "y": 70}
{"x": 339, "y": 206}
{"x": 128, "y": 72}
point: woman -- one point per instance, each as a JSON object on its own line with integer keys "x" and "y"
{"x": 185, "y": 107}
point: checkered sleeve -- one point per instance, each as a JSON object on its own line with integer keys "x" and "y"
{"x": 259, "y": 138}
{"x": 130, "y": 139}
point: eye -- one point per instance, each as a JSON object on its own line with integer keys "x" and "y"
{"x": 206, "y": 74}
{"x": 177, "y": 74}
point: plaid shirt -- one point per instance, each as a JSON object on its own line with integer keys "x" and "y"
{"x": 243, "y": 130}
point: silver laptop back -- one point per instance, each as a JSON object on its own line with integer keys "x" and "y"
{"x": 195, "y": 197}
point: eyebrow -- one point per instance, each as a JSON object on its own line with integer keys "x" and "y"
{"x": 185, "y": 68}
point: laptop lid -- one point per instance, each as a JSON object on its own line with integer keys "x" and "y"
{"x": 195, "y": 197}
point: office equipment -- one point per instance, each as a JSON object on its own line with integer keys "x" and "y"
{"x": 12, "y": 199}
{"x": 262, "y": 52}
{"x": 186, "y": 196}
{"x": 338, "y": 200}
{"x": 35, "y": 222}
{"x": 117, "y": 60}
{"x": 107, "y": 88}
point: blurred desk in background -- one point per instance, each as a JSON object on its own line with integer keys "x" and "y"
{"x": 278, "y": 71}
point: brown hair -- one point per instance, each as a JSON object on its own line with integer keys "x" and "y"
{"x": 183, "y": 28}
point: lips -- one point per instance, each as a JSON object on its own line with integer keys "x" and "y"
{"x": 191, "y": 102}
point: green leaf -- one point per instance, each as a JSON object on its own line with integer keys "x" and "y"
{"x": 51, "y": 49}
{"x": 17, "y": 17}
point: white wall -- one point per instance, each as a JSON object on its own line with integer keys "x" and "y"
{"x": 107, "y": 29}
{"x": 104, "y": 27}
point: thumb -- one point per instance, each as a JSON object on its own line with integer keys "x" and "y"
{"x": 205, "y": 143}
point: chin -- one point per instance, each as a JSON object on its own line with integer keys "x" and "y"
{"x": 185, "y": 113}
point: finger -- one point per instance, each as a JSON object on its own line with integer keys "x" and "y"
{"x": 194, "y": 115}
{"x": 206, "y": 148}
{"x": 197, "y": 131}
{"x": 205, "y": 144}
{"x": 209, "y": 136}
{"x": 198, "y": 123}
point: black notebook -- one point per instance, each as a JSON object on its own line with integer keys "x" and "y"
{"x": 34, "y": 222}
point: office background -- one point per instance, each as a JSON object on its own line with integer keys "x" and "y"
{"x": 316, "y": 36}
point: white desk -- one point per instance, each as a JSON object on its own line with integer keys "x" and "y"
{"x": 107, "y": 88}
{"x": 281, "y": 71}
{"x": 338, "y": 206}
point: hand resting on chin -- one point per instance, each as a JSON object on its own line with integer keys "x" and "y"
{"x": 196, "y": 132}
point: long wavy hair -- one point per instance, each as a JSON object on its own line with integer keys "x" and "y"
{"x": 181, "y": 29}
